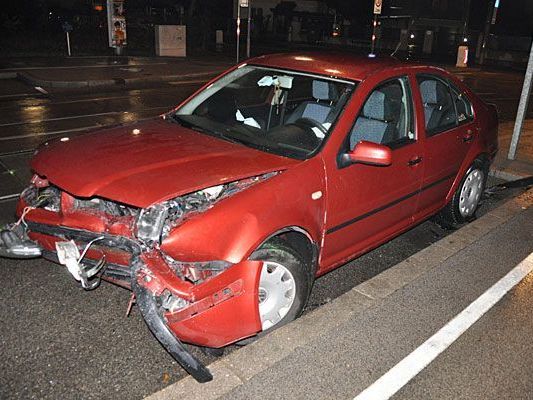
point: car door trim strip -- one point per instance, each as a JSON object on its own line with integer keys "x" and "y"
{"x": 391, "y": 204}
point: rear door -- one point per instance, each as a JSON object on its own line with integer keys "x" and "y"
{"x": 449, "y": 129}
{"x": 367, "y": 204}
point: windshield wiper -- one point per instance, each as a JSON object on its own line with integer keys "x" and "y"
{"x": 182, "y": 121}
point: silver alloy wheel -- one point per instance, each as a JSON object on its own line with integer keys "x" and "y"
{"x": 471, "y": 192}
{"x": 277, "y": 290}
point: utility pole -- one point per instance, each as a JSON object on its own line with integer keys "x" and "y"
{"x": 238, "y": 28}
{"x": 488, "y": 22}
{"x": 466, "y": 17}
{"x": 248, "y": 29}
{"x": 377, "y": 10}
{"x": 522, "y": 107}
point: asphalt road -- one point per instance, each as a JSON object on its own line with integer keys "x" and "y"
{"x": 59, "y": 341}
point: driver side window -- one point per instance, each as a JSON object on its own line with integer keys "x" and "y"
{"x": 387, "y": 116}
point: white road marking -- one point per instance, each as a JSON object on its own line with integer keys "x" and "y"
{"x": 82, "y": 116}
{"x": 9, "y": 196}
{"x": 82, "y": 66}
{"x": 135, "y": 93}
{"x": 399, "y": 375}
{"x": 29, "y": 135}
{"x": 38, "y": 121}
{"x": 41, "y": 90}
{"x": 178, "y": 83}
{"x": 4, "y": 96}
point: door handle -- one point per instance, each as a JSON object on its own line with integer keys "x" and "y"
{"x": 468, "y": 136}
{"x": 415, "y": 160}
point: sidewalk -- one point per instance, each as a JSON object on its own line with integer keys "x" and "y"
{"x": 87, "y": 72}
{"x": 341, "y": 348}
{"x": 522, "y": 166}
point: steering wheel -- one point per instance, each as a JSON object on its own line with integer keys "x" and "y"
{"x": 311, "y": 123}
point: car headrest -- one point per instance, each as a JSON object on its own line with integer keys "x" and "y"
{"x": 324, "y": 91}
{"x": 428, "y": 90}
{"x": 375, "y": 106}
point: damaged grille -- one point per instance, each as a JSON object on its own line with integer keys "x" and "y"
{"x": 106, "y": 206}
{"x": 49, "y": 198}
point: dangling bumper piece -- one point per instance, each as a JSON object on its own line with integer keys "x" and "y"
{"x": 150, "y": 311}
{"x": 14, "y": 243}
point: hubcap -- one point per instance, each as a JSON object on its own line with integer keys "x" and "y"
{"x": 471, "y": 193}
{"x": 277, "y": 291}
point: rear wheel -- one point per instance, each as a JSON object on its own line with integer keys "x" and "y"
{"x": 466, "y": 200}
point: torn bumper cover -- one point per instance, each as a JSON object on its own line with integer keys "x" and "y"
{"x": 218, "y": 312}
{"x": 213, "y": 312}
{"x": 147, "y": 303}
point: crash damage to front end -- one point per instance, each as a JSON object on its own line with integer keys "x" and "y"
{"x": 206, "y": 303}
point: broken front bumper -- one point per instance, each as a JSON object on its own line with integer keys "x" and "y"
{"x": 14, "y": 243}
{"x": 214, "y": 313}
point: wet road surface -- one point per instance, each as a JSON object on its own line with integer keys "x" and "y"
{"x": 59, "y": 341}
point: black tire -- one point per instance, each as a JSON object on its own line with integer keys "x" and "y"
{"x": 279, "y": 251}
{"x": 212, "y": 351}
{"x": 451, "y": 215}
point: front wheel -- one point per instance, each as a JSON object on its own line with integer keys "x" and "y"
{"x": 284, "y": 284}
{"x": 466, "y": 200}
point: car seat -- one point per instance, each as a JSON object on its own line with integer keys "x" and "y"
{"x": 438, "y": 108}
{"x": 371, "y": 124}
{"x": 325, "y": 94}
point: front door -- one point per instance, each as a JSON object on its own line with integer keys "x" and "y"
{"x": 368, "y": 204}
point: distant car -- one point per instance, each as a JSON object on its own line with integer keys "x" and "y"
{"x": 220, "y": 214}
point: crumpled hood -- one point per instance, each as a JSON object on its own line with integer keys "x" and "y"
{"x": 162, "y": 161}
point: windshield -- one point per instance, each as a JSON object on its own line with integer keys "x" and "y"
{"x": 283, "y": 112}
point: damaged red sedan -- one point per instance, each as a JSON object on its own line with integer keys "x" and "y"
{"x": 220, "y": 214}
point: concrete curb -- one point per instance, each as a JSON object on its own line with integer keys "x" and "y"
{"x": 242, "y": 365}
{"x": 115, "y": 82}
{"x": 506, "y": 175}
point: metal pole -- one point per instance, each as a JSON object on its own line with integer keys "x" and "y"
{"x": 374, "y": 25}
{"x": 522, "y": 107}
{"x": 466, "y": 17}
{"x": 238, "y": 28}
{"x": 248, "y": 29}
{"x": 486, "y": 32}
{"x": 68, "y": 44}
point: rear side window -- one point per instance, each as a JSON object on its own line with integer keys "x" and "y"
{"x": 462, "y": 105}
{"x": 439, "y": 106}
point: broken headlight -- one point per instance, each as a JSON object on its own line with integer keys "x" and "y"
{"x": 150, "y": 222}
{"x": 155, "y": 223}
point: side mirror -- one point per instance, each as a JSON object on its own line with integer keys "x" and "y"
{"x": 369, "y": 153}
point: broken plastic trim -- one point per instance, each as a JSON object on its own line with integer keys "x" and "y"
{"x": 14, "y": 243}
{"x": 150, "y": 311}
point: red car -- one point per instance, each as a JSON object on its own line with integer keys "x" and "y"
{"x": 220, "y": 214}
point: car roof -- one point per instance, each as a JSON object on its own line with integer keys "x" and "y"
{"x": 340, "y": 65}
